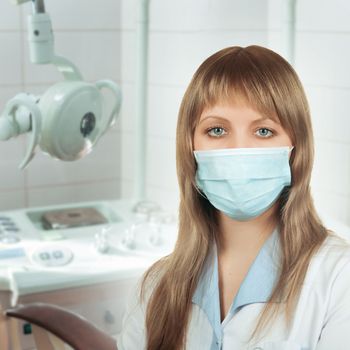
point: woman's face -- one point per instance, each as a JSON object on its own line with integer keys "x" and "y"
{"x": 236, "y": 125}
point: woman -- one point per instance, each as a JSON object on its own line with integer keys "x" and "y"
{"x": 253, "y": 266}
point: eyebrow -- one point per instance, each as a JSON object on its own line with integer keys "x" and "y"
{"x": 253, "y": 122}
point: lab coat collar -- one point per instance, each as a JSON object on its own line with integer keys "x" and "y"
{"x": 256, "y": 286}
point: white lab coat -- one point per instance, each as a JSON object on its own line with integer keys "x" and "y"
{"x": 321, "y": 320}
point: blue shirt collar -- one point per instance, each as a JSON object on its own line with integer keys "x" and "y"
{"x": 256, "y": 286}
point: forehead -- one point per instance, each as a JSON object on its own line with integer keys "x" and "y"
{"x": 236, "y": 108}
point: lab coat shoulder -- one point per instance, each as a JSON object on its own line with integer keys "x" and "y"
{"x": 334, "y": 277}
{"x": 132, "y": 335}
{"x": 333, "y": 256}
{"x": 133, "y": 332}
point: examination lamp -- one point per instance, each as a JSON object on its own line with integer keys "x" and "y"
{"x": 68, "y": 119}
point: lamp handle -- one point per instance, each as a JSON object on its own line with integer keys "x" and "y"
{"x": 115, "y": 89}
{"x": 27, "y": 101}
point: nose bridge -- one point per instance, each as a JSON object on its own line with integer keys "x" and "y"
{"x": 238, "y": 138}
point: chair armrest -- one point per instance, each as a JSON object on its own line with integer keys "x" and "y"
{"x": 66, "y": 325}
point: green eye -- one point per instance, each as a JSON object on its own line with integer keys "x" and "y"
{"x": 216, "y": 132}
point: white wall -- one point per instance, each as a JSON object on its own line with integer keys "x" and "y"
{"x": 89, "y": 35}
{"x": 322, "y": 62}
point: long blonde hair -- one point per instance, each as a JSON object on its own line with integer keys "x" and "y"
{"x": 269, "y": 84}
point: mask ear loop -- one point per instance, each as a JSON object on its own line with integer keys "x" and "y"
{"x": 290, "y": 154}
{"x": 290, "y": 151}
{"x": 197, "y": 187}
{"x": 200, "y": 191}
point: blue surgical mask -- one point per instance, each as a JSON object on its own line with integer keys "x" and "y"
{"x": 243, "y": 182}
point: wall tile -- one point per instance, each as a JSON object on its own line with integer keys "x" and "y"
{"x": 160, "y": 160}
{"x": 11, "y": 154}
{"x": 101, "y": 164}
{"x": 332, "y": 167}
{"x": 10, "y": 58}
{"x": 328, "y": 16}
{"x": 81, "y": 14}
{"x": 128, "y": 110}
{"x": 6, "y": 93}
{"x": 331, "y": 205}
{"x": 184, "y": 15}
{"x": 128, "y": 157}
{"x": 224, "y": 14}
{"x": 164, "y": 104}
{"x": 187, "y": 52}
{"x": 126, "y": 189}
{"x": 101, "y": 190}
{"x": 161, "y": 163}
{"x": 330, "y": 113}
{"x": 128, "y": 56}
{"x": 275, "y": 15}
{"x": 313, "y": 15}
{"x": 323, "y": 59}
{"x": 275, "y": 42}
{"x": 322, "y": 64}
{"x": 168, "y": 200}
{"x": 174, "y": 57}
{"x": 10, "y": 16}
{"x": 128, "y": 14}
{"x": 96, "y": 54}
{"x": 10, "y": 200}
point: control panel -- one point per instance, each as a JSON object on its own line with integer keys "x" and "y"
{"x": 51, "y": 247}
{"x": 9, "y": 230}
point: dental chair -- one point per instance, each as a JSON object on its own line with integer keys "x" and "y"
{"x": 53, "y": 327}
